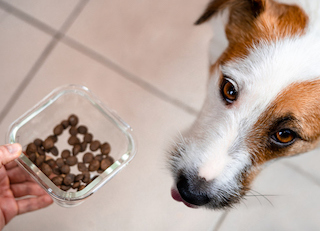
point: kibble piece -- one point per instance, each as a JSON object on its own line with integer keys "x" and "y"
{"x": 73, "y": 131}
{"x": 76, "y": 185}
{"x": 78, "y": 177}
{"x": 82, "y": 129}
{"x": 88, "y": 157}
{"x": 65, "y": 154}
{"x": 51, "y": 163}
{"x": 31, "y": 148}
{"x": 41, "y": 151}
{"x": 48, "y": 143}
{"x": 95, "y": 145}
{"x": 105, "y": 148}
{"x": 37, "y": 142}
{"x": 94, "y": 165}
{"x": 58, "y": 130}
{"x": 39, "y": 161}
{"x": 56, "y": 170}
{"x": 60, "y": 162}
{"x": 65, "y": 124}
{"x": 73, "y": 140}
{"x": 76, "y": 149}
{"x": 81, "y": 187}
{"x": 86, "y": 177}
{"x": 54, "y": 151}
{"x": 32, "y": 157}
{"x": 105, "y": 163}
{"x": 83, "y": 146}
{"x": 46, "y": 169}
{"x": 57, "y": 180}
{"x": 73, "y": 120}
{"x": 65, "y": 187}
{"x": 54, "y": 138}
{"x": 69, "y": 179}
{"x": 65, "y": 169}
{"x": 71, "y": 160}
{"x": 88, "y": 137}
{"x": 82, "y": 167}
{"x": 98, "y": 157}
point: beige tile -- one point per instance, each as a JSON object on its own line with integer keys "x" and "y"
{"x": 291, "y": 203}
{"x": 139, "y": 197}
{"x": 54, "y": 13}
{"x": 155, "y": 40}
{"x": 20, "y": 45}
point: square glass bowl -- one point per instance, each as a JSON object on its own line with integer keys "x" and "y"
{"x": 103, "y": 123}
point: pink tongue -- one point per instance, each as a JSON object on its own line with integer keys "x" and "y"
{"x": 176, "y": 195}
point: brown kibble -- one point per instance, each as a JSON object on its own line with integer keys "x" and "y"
{"x": 78, "y": 177}
{"x": 69, "y": 179}
{"x": 82, "y": 129}
{"x": 82, "y": 167}
{"x": 40, "y": 160}
{"x": 65, "y": 187}
{"x": 48, "y": 143}
{"x": 65, "y": 124}
{"x": 31, "y": 148}
{"x": 88, "y": 157}
{"x": 105, "y": 163}
{"x": 88, "y": 137}
{"x": 73, "y": 140}
{"x": 46, "y": 169}
{"x": 57, "y": 180}
{"x": 105, "y": 148}
{"x": 58, "y": 130}
{"x": 86, "y": 177}
{"x": 94, "y": 165}
{"x": 76, "y": 185}
{"x": 65, "y": 154}
{"x": 54, "y": 151}
{"x": 33, "y": 157}
{"x": 56, "y": 170}
{"x": 98, "y": 157}
{"x": 51, "y": 163}
{"x": 81, "y": 187}
{"x": 73, "y": 120}
{"x": 76, "y": 149}
{"x": 71, "y": 160}
{"x": 41, "y": 151}
{"x": 37, "y": 142}
{"x": 83, "y": 146}
{"x": 65, "y": 169}
{"x": 54, "y": 138}
{"x": 95, "y": 145}
{"x": 73, "y": 131}
{"x": 60, "y": 162}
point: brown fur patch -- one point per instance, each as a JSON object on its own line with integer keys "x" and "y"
{"x": 296, "y": 108}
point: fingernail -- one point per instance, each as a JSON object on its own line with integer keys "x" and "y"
{"x": 13, "y": 148}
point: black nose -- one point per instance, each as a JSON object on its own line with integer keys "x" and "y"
{"x": 188, "y": 195}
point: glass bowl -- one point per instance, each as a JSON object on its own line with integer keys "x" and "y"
{"x": 102, "y": 122}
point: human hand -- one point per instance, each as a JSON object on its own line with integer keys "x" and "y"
{"x": 15, "y": 184}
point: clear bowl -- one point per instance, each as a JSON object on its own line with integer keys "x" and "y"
{"x": 103, "y": 123}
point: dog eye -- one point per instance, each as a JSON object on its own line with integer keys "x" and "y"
{"x": 228, "y": 91}
{"x": 285, "y": 136}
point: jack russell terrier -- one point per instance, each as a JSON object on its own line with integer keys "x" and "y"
{"x": 262, "y": 102}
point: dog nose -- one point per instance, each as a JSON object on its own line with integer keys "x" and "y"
{"x": 188, "y": 195}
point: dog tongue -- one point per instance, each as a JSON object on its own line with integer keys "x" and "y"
{"x": 176, "y": 195}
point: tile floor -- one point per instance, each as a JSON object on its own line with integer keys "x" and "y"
{"x": 147, "y": 61}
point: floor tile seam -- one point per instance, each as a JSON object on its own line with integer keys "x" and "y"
{"x": 41, "y": 59}
{"x": 70, "y": 42}
{"x": 301, "y": 171}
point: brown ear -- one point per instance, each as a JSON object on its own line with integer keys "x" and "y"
{"x": 255, "y": 7}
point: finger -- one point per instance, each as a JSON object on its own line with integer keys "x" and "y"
{"x": 32, "y": 204}
{"x": 18, "y": 175}
{"x": 9, "y": 152}
{"x": 11, "y": 165}
{"x": 27, "y": 188}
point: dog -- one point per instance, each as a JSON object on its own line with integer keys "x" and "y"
{"x": 262, "y": 101}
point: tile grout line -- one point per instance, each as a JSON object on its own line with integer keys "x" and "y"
{"x": 220, "y": 221}
{"x": 60, "y": 35}
{"x": 45, "y": 53}
{"x": 302, "y": 172}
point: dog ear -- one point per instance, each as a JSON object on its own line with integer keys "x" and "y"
{"x": 254, "y": 7}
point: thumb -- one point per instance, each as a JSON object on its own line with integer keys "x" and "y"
{"x": 9, "y": 152}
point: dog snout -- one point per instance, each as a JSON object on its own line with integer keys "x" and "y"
{"x": 188, "y": 194}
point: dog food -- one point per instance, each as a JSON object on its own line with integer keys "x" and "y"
{"x": 62, "y": 169}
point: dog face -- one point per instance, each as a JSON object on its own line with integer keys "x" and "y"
{"x": 262, "y": 103}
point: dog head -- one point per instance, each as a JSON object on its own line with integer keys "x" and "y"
{"x": 262, "y": 103}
